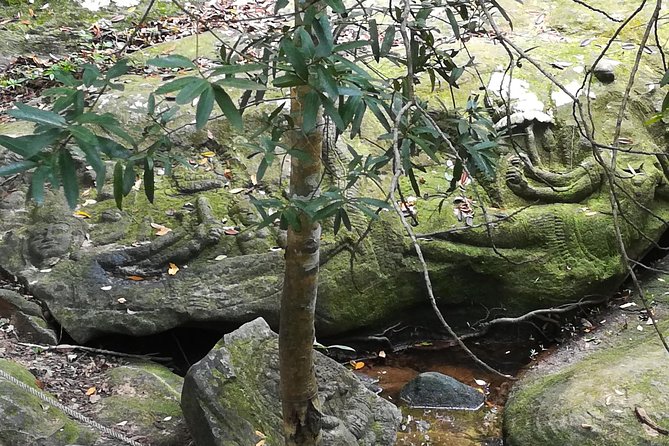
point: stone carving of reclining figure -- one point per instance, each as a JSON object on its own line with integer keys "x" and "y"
{"x": 178, "y": 247}
{"x": 569, "y": 187}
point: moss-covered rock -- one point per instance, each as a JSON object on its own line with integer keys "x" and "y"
{"x": 146, "y": 396}
{"x": 231, "y": 397}
{"x": 27, "y": 420}
{"x": 593, "y": 401}
{"x": 589, "y": 393}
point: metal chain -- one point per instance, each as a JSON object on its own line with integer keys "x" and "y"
{"x": 69, "y": 411}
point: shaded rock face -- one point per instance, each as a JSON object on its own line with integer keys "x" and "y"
{"x": 27, "y": 420}
{"x": 26, "y": 317}
{"x": 233, "y": 393}
{"x": 433, "y": 390}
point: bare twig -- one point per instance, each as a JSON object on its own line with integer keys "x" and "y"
{"x": 82, "y": 348}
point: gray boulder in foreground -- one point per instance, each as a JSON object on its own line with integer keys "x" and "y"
{"x": 434, "y": 390}
{"x": 26, "y": 420}
{"x": 232, "y": 395}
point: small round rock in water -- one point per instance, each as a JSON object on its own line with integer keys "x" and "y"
{"x": 434, "y": 390}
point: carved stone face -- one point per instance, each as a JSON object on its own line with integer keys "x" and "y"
{"x": 47, "y": 242}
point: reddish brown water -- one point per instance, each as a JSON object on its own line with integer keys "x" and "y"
{"x": 449, "y": 427}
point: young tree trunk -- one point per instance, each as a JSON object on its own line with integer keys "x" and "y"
{"x": 299, "y": 390}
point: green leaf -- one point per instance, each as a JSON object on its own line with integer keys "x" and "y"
{"x": 333, "y": 113}
{"x": 83, "y": 135}
{"x": 149, "y": 180}
{"x": 503, "y": 12}
{"x": 665, "y": 103}
{"x": 37, "y": 183}
{"x": 306, "y": 42}
{"x": 367, "y": 211}
{"x": 388, "y": 39}
{"x": 347, "y": 109}
{"x": 68, "y": 174}
{"x": 235, "y": 69}
{"x": 30, "y": 145}
{"x": 375, "y": 202}
{"x": 227, "y": 107}
{"x": 312, "y": 103}
{"x": 111, "y": 148}
{"x": 97, "y": 118}
{"x": 288, "y": 80}
{"x": 32, "y": 114}
{"x": 129, "y": 178}
{"x": 118, "y": 184}
{"x": 327, "y": 83}
{"x": 280, "y": 4}
{"x": 323, "y": 33}
{"x": 414, "y": 182}
{"x": 373, "y": 106}
{"x": 665, "y": 79}
{"x": 176, "y": 84}
{"x": 262, "y": 168}
{"x": 653, "y": 119}
{"x": 374, "y": 38}
{"x": 336, "y": 5}
{"x": 151, "y": 106}
{"x": 244, "y": 84}
{"x": 357, "y": 119}
{"x": 118, "y": 69}
{"x": 289, "y": 217}
{"x": 64, "y": 101}
{"x": 337, "y": 222}
{"x": 295, "y": 58}
{"x": 204, "y": 107}
{"x": 454, "y": 23}
{"x": 191, "y": 91}
{"x": 17, "y": 167}
{"x": 90, "y": 75}
{"x": 345, "y": 219}
{"x": 171, "y": 61}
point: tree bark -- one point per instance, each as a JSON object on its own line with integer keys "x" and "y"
{"x": 299, "y": 389}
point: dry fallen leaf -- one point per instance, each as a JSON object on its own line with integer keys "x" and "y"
{"x": 357, "y": 365}
{"x": 231, "y": 231}
{"x": 82, "y": 214}
{"x": 173, "y": 269}
{"x": 261, "y": 442}
{"x": 236, "y": 190}
{"x": 91, "y": 391}
{"x": 208, "y": 154}
{"x": 136, "y": 278}
{"x": 160, "y": 229}
{"x": 221, "y": 257}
